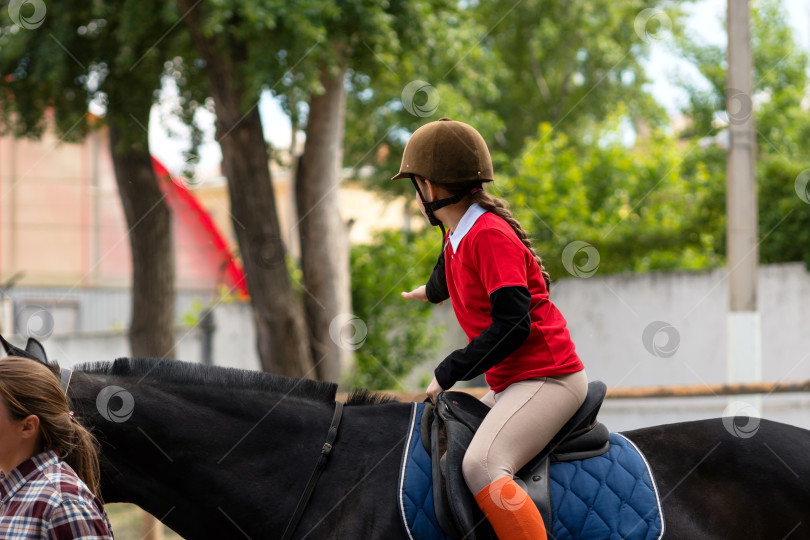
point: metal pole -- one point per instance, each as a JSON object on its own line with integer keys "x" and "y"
{"x": 208, "y": 327}
{"x": 744, "y": 336}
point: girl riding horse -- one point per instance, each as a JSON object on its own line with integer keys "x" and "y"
{"x": 517, "y": 337}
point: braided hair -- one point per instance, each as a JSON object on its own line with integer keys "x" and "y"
{"x": 499, "y": 208}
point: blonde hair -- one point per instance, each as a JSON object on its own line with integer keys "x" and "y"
{"x": 28, "y": 387}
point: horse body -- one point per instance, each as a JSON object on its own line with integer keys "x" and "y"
{"x": 715, "y": 485}
{"x": 223, "y": 453}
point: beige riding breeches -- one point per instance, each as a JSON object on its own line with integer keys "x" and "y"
{"x": 523, "y": 419}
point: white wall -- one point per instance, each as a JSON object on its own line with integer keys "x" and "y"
{"x": 607, "y": 316}
{"x": 233, "y": 343}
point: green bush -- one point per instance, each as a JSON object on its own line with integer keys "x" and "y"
{"x": 643, "y": 208}
{"x": 784, "y": 217}
{"x": 399, "y": 337}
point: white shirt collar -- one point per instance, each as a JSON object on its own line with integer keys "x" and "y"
{"x": 465, "y": 224}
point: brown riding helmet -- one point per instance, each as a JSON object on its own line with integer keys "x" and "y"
{"x": 447, "y": 152}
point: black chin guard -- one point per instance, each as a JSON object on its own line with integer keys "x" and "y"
{"x": 432, "y": 206}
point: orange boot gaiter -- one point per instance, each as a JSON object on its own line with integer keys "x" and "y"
{"x": 510, "y": 511}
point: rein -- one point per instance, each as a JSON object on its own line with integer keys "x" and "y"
{"x": 313, "y": 479}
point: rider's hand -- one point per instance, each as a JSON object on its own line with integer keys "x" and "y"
{"x": 417, "y": 294}
{"x": 433, "y": 390}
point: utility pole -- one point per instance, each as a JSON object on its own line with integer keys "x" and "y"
{"x": 744, "y": 328}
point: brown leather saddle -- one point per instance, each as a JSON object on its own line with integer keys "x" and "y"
{"x": 447, "y": 430}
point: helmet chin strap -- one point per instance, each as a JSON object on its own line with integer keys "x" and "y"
{"x": 428, "y": 206}
{"x": 432, "y": 206}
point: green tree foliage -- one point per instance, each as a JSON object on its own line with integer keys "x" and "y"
{"x": 398, "y": 335}
{"x": 109, "y": 52}
{"x": 660, "y": 204}
{"x": 784, "y": 217}
{"x": 782, "y": 75}
{"x": 642, "y": 208}
{"x": 505, "y": 67}
{"x": 782, "y": 120}
{"x": 438, "y": 43}
{"x": 39, "y": 74}
{"x": 569, "y": 63}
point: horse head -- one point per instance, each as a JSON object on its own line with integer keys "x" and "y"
{"x": 221, "y": 452}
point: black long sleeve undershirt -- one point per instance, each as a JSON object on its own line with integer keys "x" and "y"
{"x": 510, "y": 327}
{"x": 436, "y": 287}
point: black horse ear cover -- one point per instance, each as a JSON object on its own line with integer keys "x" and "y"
{"x": 35, "y": 348}
{"x": 29, "y": 353}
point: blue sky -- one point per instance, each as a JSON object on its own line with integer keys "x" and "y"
{"x": 705, "y": 23}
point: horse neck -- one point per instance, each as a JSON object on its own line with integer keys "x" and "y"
{"x": 185, "y": 450}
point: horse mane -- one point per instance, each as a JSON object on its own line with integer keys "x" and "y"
{"x": 361, "y": 396}
{"x": 176, "y": 371}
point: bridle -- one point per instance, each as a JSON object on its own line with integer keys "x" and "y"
{"x": 64, "y": 377}
{"x": 313, "y": 479}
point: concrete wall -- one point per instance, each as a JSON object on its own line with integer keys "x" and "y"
{"x": 234, "y": 342}
{"x": 684, "y": 314}
{"x": 41, "y": 311}
{"x": 607, "y": 317}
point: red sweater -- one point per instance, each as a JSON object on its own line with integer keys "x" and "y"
{"x": 490, "y": 256}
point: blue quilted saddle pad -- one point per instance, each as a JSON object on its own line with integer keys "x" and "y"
{"x": 415, "y": 490}
{"x": 608, "y": 497}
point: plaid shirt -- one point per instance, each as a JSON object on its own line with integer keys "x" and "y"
{"x": 43, "y": 498}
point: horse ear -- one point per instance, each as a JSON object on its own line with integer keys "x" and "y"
{"x": 36, "y": 349}
{"x": 11, "y": 350}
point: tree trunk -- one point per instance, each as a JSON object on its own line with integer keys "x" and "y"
{"x": 151, "y": 332}
{"x": 323, "y": 235}
{"x": 280, "y": 326}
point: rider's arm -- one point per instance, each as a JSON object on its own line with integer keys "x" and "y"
{"x": 436, "y": 287}
{"x": 510, "y": 327}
